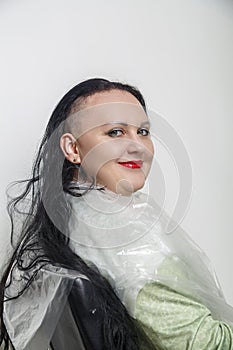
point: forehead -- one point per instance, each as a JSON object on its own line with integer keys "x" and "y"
{"x": 107, "y": 108}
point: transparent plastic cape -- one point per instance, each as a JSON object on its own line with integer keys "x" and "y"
{"x": 125, "y": 238}
{"x": 31, "y": 318}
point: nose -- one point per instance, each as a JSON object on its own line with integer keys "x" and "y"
{"x": 134, "y": 145}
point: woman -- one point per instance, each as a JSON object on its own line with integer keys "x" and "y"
{"x": 86, "y": 219}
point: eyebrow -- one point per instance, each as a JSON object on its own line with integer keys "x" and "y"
{"x": 146, "y": 122}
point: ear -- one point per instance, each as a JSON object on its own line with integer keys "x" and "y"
{"x": 69, "y": 148}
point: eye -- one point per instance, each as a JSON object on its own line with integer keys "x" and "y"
{"x": 143, "y": 132}
{"x": 115, "y": 132}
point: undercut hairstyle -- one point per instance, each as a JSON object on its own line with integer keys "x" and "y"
{"x": 38, "y": 242}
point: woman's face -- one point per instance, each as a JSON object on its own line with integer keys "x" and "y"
{"x": 114, "y": 144}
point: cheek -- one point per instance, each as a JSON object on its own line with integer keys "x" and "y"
{"x": 149, "y": 147}
{"x": 106, "y": 172}
{"x": 93, "y": 158}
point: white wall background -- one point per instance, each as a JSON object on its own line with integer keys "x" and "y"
{"x": 179, "y": 53}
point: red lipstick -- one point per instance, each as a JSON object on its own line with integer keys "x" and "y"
{"x": 132, "y": 164}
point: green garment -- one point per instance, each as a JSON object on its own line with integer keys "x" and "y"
{"x": 176, "y": 322}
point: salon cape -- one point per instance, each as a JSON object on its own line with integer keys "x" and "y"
{"x": 164, "y": 280}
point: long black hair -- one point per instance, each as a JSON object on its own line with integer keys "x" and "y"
{"x": 42, "y": 240}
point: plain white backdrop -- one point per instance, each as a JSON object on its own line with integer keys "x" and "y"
{"x": 178, "y": 53}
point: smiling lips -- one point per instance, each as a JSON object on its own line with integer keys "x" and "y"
{"x": 132, "y": 164}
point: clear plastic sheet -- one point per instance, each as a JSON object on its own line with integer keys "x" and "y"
{"x": 31, "y": 318}
{"x": 124, "y": 237}
{"x": 126, "y": 240}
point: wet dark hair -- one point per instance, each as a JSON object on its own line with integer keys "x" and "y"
{"x": 43, "y": 241}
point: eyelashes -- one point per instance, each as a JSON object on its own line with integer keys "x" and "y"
{"x": 116, "y": 132}
{"x": 143, "y": 131}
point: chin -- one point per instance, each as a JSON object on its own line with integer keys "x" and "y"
{"x": 127, "y": 186}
